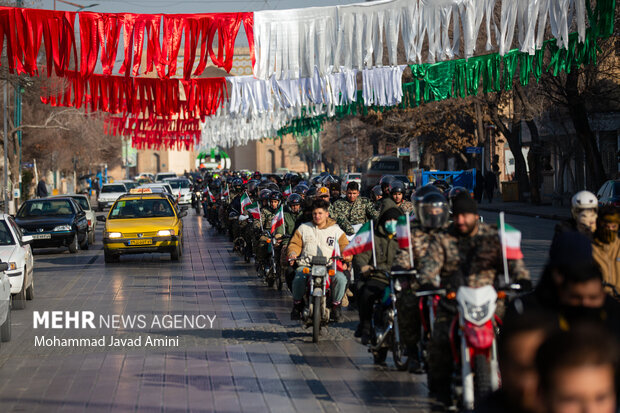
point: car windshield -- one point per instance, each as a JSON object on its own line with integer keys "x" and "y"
{"x": 6, "y": 238}
{"x": 113, "y": 188}
{"x": 141, "y": 208}
{"x": 83, "y": 202}
{"x": 45, "y": 207}
{"x": 130, "y": 185}
{"x": 402, "y": 178}
{"x": 178, "y": 183}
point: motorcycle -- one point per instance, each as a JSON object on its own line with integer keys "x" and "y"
{"x": 384, "y": 322}
{"x": 273, "y": 273}
{"x": 316, "y": 312}
{"x": 473, "y": 340}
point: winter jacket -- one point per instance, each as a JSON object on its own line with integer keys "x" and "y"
{"x": 608, "y": 258}
{"x": 309, "y": 241}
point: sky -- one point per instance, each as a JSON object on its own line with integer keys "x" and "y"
{"x": 185, "y": 6}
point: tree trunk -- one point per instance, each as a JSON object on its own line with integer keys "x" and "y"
{"x": 533, "y": 160}
{"x": 579, "y": 115}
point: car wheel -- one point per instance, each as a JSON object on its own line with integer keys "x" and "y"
{"x": 5, "y": 329}
{"x": 84, "y": 245}
{"x": 175, "y": 254}
{"x": 108, "y": 257}
{"x": 19, "y": 299}
{"x": 91, "y": 237}
{"x": 30, "y": 291}
{"x": 74, "y": 246}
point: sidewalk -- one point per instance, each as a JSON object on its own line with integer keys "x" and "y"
{"x": 525, "y": 209}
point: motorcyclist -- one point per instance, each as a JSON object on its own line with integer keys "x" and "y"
{"x": 314, "y": 238}
{"x": 273, "y": 203}
{"x": 292, "y": 211}
{"x": 418, "y": 195}
{"x": 376, "y": 194}
{"x": 373, "y": 284}
{"x": 433, "y": 218}
{"x": 584, "y": 207}
{"x": 354, "y": 210}
{"x": 467, "y": 253}
{"x": 385, "y": 183}
{"x": 397, "y": 195}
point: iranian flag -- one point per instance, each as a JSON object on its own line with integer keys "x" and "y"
{"x": 211, "y": 197}
{"x": 511, "y": 242}
{"x": 287, "y": 191}
{"x": 226, "y": 192}
{"x": 277, "y": 220}
{"x": 403, "y": 231}
{"x": 254, "y": 210}
{"x": 245, "y": 201}
{"x": 362, "y": 241}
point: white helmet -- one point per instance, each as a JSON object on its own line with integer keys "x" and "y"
{"x": 584, "y": 200}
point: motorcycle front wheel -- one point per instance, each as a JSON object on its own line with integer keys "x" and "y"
{"x": 316, "y": 319}
{"x": 482, "y": 377}
{"x": 398, "y": 354}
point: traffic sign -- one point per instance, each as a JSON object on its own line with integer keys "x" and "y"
{"x": 473, "y": 149}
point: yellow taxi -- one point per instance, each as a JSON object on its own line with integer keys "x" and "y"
{"x": 142, "y": 221}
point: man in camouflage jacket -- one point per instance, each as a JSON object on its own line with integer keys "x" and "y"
{"x": 354, "y": 210}
{"x": 467, "y": 253}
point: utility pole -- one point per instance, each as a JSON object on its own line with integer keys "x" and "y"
{"x": 17, "y": 120}
{"x": 6, "y": 145}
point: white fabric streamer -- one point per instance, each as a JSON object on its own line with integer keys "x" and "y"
{"x": 383, "y": 86}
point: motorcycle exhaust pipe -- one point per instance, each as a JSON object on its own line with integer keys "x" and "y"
{"x": 380, "y": 338}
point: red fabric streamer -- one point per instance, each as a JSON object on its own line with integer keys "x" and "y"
{"x": 160, "y": 34}
{"x": 147, "y": 96}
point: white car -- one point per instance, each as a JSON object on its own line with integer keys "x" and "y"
{"x": 5, "y": 305}
{"x": 109, "y": 194}
{"x": 181, "y": 189}
{"x": 163, "y": 186}
{"x": 84, "y": 202}
{"x": 16, "y": 252}
{"x": 352, "y": 177}
{"x": 163, "y": 175}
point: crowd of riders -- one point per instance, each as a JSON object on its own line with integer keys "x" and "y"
{"x": 539, "y": 332}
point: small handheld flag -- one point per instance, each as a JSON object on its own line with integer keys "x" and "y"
{"x": 245, "y": 201}
{"x": 362, "y": 241}
{"x": 254, "y": 210}
{"x": 287, "y": 191}
{"x": 277, "y": 220}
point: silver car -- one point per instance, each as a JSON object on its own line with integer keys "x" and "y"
{"x": 109, "y": 194}
{"x": 84, "y": 202}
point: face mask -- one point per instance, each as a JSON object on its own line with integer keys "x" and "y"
{"x": 390, "y": 226}
{"x": 587, "y": 218}
{"x": 605, "y": 235}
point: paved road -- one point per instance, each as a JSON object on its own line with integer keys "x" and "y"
{"x": 254, "y": 359}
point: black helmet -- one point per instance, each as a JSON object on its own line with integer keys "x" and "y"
{"x": 293, "y": 199}
{"x": 300, "y": 189}
{"x": 454, "y": 192}
{"x": 275, "y": 195}
{"x": 252, "y": 186}
{"x": 273, "y": 187}
{"x": 216, "y": 184}
{"x": 442, "y": 185}
{"x": 257, "y": 175}
{"x": 237, "y": 183}
{"x": 377, "y": 191}
{"x": 418, "y": 195}
{"x": 433, "y": 210}
{"x": 264, "y": 194}
{"x": 311, "y": 192}
{"x": 386, "y": 180}
{"x": 397, "y": 186}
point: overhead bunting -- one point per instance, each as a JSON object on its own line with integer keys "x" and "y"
{"x": 99, "y": 34}
{"x": 149, "y": 96}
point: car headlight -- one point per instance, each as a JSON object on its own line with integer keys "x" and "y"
{"x": 114, "y": 235}
{"x": 165, "y": 232}
{"x": 477, "y": 313}
{"x": 63, "y": 228}
{"x": 12, "y": 266}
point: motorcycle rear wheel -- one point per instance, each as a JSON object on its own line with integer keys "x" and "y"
{"x": 316, "y": 319}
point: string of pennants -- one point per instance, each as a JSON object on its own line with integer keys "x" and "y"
{"x": 305, "y": 61}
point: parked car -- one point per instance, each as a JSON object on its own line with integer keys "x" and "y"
{"x": 5, "y": 304}
{"x": 181, "y": 188}
{"x": 16, "y": 252}
{"x": 163, "y": 175}
{"x": 84, "y": 202}
{"x": 351, "y": 177}
{"x": 54, "y": 222}
{"x": 609, "y": 194}
{"x": 109, "y": 194}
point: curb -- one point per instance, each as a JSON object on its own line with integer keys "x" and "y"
{"x": 554, "y": 217}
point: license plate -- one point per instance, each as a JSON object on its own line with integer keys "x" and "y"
{"x": 41, "y": 236}
{"x": 140, "y": 242}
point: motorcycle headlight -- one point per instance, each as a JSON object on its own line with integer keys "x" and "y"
{"x": 165, "y": 232}
{"x": 477, "y": 313}
{"x": 63, "y": 228}
{"x": 319, "y": 270}
{"x": 318, "y": 282}
{"x": 397, "y": 286}
{"x": 115, "y": 235}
